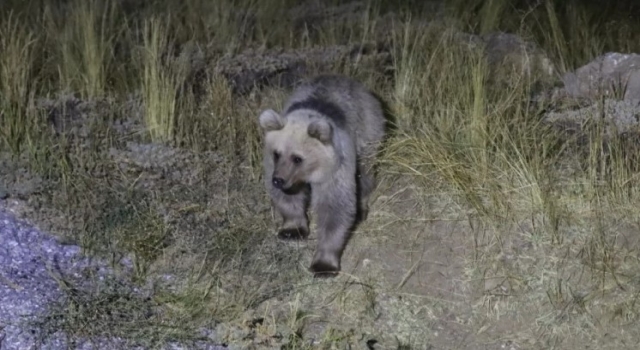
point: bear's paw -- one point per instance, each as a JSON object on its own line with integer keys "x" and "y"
{"x": 290, "y": 234}
{"x": 324, "y": 269}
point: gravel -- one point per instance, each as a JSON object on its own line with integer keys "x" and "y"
{"x": 29, "y": 261}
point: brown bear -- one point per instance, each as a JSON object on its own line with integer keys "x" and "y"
{"x": 319, "y": 152}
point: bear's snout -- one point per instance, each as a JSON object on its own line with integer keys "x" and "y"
{"x": 277, "y": 182}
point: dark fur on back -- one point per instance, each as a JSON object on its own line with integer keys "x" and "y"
{"x": 322, "y": 106}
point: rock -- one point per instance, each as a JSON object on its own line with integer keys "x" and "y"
{"x": 612, "y": 74}
{"x": 620, "y": 133}
{"x": 504, "y": 48}
{"x": 277, "y": 67}
{"x": 281, "y": 68}
{"x": 70, "y": 115}
{"x": 17, "y": 181}
{"x": 159, "y": 165}
{"x": 619, "y": 116}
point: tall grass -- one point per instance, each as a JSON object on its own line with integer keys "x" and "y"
{"x": 18, "y": 82}
{"x": 161, "y": 79}
{"x": 456, "y": 125}
{"x": 84, "y": 34}
{"x": 488, "y": 146}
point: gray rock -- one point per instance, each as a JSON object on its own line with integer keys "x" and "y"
{"x": 284, "y": 68}
{"x": 504, "y": 48}
{"x": 610, "y": 74}
{"x": 27, "y": 287}
{"x": 16, "y": 181}
{"x": 70, "y": 115}
{"x": 619, "y": 116}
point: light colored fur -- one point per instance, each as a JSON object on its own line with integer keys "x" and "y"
{"x": 333, "y": 152}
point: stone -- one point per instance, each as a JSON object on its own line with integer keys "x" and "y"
{"x": 612, "y": 74}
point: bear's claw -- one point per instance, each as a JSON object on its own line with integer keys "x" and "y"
{"x": 293, "y": 233}
{"x": 362, "y": 214}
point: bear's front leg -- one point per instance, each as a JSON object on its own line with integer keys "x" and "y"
{"x": 293, "y": 210}
{"x": 336, "y": 212}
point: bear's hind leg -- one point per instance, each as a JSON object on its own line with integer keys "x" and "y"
{"x": 366, "y": 184}
{"x": 293, "y": 210}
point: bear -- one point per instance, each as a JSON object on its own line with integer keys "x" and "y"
{"x": 319, "y": 153}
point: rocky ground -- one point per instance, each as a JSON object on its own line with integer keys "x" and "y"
{"x": 34, "y": 270}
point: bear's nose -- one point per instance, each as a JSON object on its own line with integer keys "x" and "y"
{"x": 278, "y": 182}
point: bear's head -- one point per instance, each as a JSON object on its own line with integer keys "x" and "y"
{"x": 301, "y": 149}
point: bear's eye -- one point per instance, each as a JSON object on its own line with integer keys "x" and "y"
{"x": 276, "y": 156}
{"x": 296, "y": 159}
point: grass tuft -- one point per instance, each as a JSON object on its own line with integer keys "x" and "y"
{"x": 84, "y": 41}
{"x": 17, "y": 81}
{"x": 162, "y": 78}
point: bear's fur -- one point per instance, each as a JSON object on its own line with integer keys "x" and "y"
{"x": 320, "y": 152}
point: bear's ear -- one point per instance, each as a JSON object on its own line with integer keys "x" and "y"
{"x": 270, "y": 120}
{"x": 321, "y": 130}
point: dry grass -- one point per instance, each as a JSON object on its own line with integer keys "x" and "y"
{"x": 160, "y": 82}
{"x": 17, "y": 88}
{"x": 484, "y": 217}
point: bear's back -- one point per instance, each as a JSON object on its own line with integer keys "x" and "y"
{"x": 347, "y": 103}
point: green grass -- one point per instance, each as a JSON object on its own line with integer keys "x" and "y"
{"x": 544, "y": 254}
